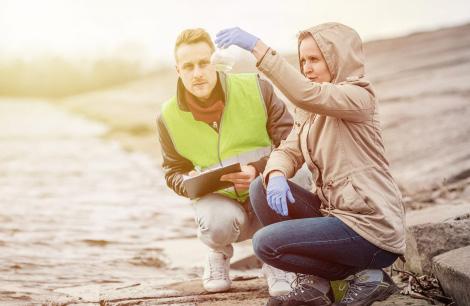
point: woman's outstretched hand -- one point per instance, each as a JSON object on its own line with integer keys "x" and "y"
{"x": 236, "y": 36}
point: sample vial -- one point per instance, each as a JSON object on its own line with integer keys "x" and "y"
{"x": 222, "y": 60}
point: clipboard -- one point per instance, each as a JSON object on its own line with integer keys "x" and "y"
{"x": 209, "y": 181}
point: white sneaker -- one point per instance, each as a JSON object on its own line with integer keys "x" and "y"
{"x": 279, "y": 281}
{"x": 216, "y": 272}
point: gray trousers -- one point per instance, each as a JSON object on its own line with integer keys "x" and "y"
{"x": 222, "y": 221}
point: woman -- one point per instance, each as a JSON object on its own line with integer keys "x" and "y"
{"x": 353, "y": 225}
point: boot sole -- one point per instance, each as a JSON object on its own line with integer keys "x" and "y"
{"x": 385, "y": 295}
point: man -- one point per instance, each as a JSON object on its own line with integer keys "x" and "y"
{"x": 217, "y": 119}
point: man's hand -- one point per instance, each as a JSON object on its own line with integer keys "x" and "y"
{"x": 241, "y": 180}
{"x": 236, "y": 36}
{"x": 278, "y": 192}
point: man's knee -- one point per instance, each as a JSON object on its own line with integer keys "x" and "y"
{"x": 223, "y": 232}
{"x": 219, "y": 227}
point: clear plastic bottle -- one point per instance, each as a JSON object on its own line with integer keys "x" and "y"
{"x": 222, "y": 60}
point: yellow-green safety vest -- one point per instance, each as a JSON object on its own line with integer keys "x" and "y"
{"x": 242, "y": 135}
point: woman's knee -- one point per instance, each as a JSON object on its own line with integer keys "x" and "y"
{"x": 262, "y": 245}
{"x": 257, "y": 188}
{"x": 257, "y": 195}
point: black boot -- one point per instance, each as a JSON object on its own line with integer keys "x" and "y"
{"x": 363, "y": 291}
{"x": 310, "y": 290}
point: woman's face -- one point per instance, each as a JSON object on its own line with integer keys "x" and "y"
{"x": 312, "y": 61}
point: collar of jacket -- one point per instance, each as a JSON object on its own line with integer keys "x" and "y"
{"x": 180, "y": 89}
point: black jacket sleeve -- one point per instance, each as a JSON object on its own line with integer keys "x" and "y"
{"x": 174, "y": 165}
{"x": 278, "y": 126}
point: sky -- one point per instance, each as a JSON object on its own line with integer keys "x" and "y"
{"x": 147, "y": 29}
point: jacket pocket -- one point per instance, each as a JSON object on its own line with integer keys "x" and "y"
{"x": 351, "y": 200}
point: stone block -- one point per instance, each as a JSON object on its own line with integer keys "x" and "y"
{"x": 436, "y": 236}
{"x": 452, "y": 269}
{"x": 436, "y": 214}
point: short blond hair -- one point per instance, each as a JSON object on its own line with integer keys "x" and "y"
{"x": 192, "y": 36}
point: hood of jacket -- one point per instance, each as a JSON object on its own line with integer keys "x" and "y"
{"x": 341, "y": 47}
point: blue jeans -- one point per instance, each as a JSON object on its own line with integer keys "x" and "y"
{"x": 306, "y": 242}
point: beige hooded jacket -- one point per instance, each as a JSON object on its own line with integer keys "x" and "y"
{"x": 337, "y": 134}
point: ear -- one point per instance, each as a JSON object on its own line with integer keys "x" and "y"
{"x": 177, "y": 70}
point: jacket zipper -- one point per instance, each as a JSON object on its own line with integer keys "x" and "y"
{"x": 329, "y": 184}
{"x": 214, "y": 124}
{"x": 219, "y": 129}
{"x": 216, "y": 127}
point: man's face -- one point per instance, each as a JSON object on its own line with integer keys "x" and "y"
{"x": 195, "y": 69}
{"x": 312, "y": 61}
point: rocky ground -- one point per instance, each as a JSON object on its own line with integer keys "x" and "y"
{"x": 86, "y": 221}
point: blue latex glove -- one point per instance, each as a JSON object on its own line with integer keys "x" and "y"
{"x": 277, "y": 194}
{"x": 236, "y": 36}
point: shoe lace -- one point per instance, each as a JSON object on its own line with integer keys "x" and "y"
{"x": 299, "y": 278}
{"x": 217, "y": 269}
{"x": 354, "y": 290}
{"x": 297, "y": 286}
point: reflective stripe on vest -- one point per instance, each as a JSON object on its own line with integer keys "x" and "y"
{"x": 242, "y": 133}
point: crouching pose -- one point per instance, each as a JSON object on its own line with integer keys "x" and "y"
{"x": 217, "y": 119}
{"x": 352, "y": 225}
